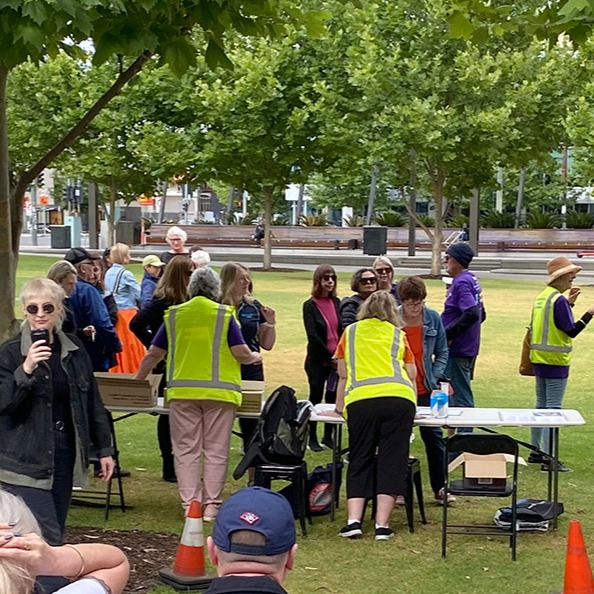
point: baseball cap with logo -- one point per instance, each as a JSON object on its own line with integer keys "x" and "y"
{"x": 259, "y": 510}
{"x": 78, "y": 254}
{"x": 152, "y": 260}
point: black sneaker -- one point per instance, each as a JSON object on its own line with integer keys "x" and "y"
{"x": 382, "y": 533}
{"x": 314, "y": 446}
{"x": 352, "y": 530}
{"x": 560, "y": 467}
{"x": 536, "y": 458}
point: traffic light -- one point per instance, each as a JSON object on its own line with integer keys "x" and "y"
{"x": 40, "y": 179}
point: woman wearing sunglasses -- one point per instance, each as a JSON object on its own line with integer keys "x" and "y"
{"x": 364, "y": 283}
{"x": 50, "y": 411}
{"x": 323, "y": 328}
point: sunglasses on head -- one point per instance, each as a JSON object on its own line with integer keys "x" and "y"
{"x": 383, "y": 270}
{"x": 328, "y": 277}
{"x": 368, "y": 281}
{"x": 48, "y": 308}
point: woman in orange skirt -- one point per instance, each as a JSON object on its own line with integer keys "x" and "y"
{"x": 126, "y": 291}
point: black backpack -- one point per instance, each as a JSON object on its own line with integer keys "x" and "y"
{"x": 281, "y": 434}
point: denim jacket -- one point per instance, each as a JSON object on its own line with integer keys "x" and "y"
{"x": 435, "y": 349}
{"x": 26, "y": 417}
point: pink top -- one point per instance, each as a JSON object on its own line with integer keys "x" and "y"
{"x": 328, "y": 311}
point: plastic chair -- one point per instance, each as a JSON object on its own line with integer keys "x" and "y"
{"x": 297, "y": 476}
{"x": 413, "y": 485}
{"x": 480, "y": 444}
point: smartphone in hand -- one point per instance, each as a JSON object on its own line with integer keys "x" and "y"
{"x": 40, "y": 334}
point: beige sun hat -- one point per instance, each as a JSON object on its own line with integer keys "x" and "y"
{"x": 559, "y": 266}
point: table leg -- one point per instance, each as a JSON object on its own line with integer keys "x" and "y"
{"x": 555, "y": 449}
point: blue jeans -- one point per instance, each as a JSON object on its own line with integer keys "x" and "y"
{"x": 460, "y": 371}
{"x": 435, "y": 450}
{"x": 549, "y": 394}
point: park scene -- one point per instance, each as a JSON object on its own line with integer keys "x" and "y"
{"x": 315, "y": 144}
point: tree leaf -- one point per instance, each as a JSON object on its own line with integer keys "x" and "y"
{"x": 459, "y": 25}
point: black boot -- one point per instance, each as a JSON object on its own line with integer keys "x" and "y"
{"x": 314, "y": 446}
{"x": 327, "y": 440}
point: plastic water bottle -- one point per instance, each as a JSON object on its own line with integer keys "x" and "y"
{"x": 439, "y": 403}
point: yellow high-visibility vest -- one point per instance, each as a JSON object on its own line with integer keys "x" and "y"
{"x": 549, "y": 344}
{"x": 374, "y": 358}
{"x": 200, "y": 364}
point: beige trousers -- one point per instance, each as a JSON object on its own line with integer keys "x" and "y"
{"x": 201, "y": 436}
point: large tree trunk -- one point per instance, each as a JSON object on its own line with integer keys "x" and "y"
{"x": 268, "y": 194}
{"x": 8, "y": 257}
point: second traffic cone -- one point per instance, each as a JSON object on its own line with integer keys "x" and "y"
{"x": 188, "y": 568}
{"x": 578, "y": 573}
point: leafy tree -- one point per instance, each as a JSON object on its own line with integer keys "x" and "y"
{"x": 135, "y": 31}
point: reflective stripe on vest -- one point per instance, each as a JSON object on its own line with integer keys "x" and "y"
{"x": 549, "y": 345}
{"x": 224, "y": 381}
{"x": 361, "y": 382}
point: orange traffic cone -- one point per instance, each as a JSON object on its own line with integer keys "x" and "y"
{"x": 188, "y": 569}
{"x": 578, "y": 573}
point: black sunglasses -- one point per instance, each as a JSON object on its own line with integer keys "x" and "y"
{"x": 328, "y": 277}
{"x": 368, "y": 281}
{"x": 383, "y": 270}
{"x": 48, "y": 308}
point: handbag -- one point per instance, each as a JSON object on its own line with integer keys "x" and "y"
{"x": 525, "y": 363}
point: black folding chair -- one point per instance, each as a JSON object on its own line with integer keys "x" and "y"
{"x": 481, "y": 444}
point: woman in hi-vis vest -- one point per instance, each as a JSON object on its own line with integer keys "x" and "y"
{"x": 553, "y": 329}
{"x": 204, "y": 348}
{"x": 376, "y": 388}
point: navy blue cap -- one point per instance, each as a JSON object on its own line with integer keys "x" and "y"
{"x": 260, "y": 510}
{"x": 462, "y": 253}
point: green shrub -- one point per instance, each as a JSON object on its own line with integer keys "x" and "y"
{"x": 281, "y": 221}
{"x": 579, "y": 220}
{"x": 497, "y": 220}
{"x": 354, "y": 221}
{"x": 543, "y": 220}
{"x": 391, "y": 219}
{"x": 458, "y": 221}
{"x": 313, "y": 220}
{"x": 426, "y": 220}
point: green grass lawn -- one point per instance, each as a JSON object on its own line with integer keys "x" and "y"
{"x": 409, "y": 563}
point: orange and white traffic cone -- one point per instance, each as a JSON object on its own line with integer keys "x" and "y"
{"x": 578, "y": 573}
{"x": 188, "y": 568}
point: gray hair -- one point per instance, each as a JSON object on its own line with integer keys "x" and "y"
{"x": 44, "y": 286}
{"x": 14, "y": 509}
{"x": 205, "y": 282}
{"x": 59, "y": 270}
{"x": 200, "y": 257}
{"x": 383, "y": 260}
{"x": 175, "y": 230}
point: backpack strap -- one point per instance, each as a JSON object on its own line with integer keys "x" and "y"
{"x": 116, "y": 285}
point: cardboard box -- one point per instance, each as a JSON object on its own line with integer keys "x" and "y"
{"x": 253, "y": 396}
{"x": 121, "y": 389}
{"x": 488, "y": 471}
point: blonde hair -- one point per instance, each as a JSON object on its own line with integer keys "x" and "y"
{"x": 44, "y": 286}
{"x": 383, "y": 260}
{"x": 382, "y": 306}
{"x": 228, "y": 275}
{"x": 14, "y": 577}
{"x": 60, "y": 270}
{"x": 120, "y": 253}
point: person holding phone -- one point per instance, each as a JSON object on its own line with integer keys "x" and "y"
{"x": 50, "y": 411}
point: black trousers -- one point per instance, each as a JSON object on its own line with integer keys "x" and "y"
{"x": 379, "y": 427}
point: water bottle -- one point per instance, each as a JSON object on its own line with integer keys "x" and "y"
{"x": 439, "y": 403}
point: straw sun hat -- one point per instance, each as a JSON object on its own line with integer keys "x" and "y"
{"x": 558, "y": 267}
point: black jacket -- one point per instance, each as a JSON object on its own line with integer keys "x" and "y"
{"x": 26, "y": 418}
{"x": 349, "y": 307}
{"x": 239, "y": 584}
{"x": 317, "y": 334}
